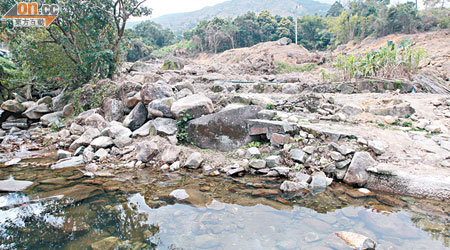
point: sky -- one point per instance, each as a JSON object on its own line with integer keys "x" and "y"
{"x": 163, "y": 7}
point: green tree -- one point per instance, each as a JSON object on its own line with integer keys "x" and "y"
{"x": 335, "y": 9}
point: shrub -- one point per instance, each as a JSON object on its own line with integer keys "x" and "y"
{"x": 284, "y": 68}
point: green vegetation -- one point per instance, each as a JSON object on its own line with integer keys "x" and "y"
{"x": 341, "y": 25}
{"x": 255, "y": 144}
{"x": 85, "y": 42}
{"x": 289, "y": 68}
{"x": 388, "y": 62}
{"x": 270, "y": 106}
{"x": 182, "y": 123}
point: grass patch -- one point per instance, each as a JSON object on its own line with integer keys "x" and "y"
{"x": 284, "y": 68}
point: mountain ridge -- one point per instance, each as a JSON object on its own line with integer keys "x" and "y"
{"x": 179, "y": 22}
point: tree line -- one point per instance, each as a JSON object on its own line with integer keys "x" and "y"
{"x": 356, "y": 21}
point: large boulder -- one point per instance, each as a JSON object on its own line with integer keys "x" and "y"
{"x": 136, "y": 118}
{"x": 51, "y": 118}
{"x": 113, "y": 109}
{"x": 12, "y": 121}
{"x": 164, "y": 105}
{"x": 356, "y": 173}
{"x": 224, "y": 131}
{"x": 13, "y": 106}
{"x": 86, "y": 138}
{"x": 36, "y": 112}
{"x": 194, "y": 105}
{"x": 154, "y": 91}
{"x": 96, "y": 121}
{"x": 163, "y": 127}
{"x": 116, "y": 130}
{"x": 146, "y": 151}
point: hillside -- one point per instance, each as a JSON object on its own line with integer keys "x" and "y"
{"x": 185, "y": 21}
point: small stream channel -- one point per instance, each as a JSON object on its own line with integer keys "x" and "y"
{"x": 133, "y": 210}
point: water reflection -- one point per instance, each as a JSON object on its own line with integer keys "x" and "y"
{"x": 221, "y": 213}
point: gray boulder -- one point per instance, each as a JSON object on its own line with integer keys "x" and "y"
{"x": 147, "y": 151}
{"x": 51, "y": 118}
{"x": 13, "y": 106}
{"x": 154, "y": 91}
{"x": 136, "y": 118}
{"x": 86, "y": 138}
{"x": 298, "y": 155}
{"x": 356, "y": 173}
{"x": 194, "y": 160}
{"x": 195, "y": 105}
{"x": 163, "y": 127}
{"x": 113, "y": 109}
{"x": 163, "y": 105}
{"x": 102, "y": 142}
{"x": 224, "y": 131}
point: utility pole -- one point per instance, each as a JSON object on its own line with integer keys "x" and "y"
{"x": 296, "y": 25}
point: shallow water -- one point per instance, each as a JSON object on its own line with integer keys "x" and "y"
{"x": 134, "y": 209}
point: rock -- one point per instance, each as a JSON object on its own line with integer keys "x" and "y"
{"x": 13, "y": 106}
{"x": 183, "y": 93}
{"x": 422, "y": 123}
{"x": 194, "y": 160}
{"x": 163, "y": 105}
{"x": 12, "y": 185}
{"x": 13, "y": 123}
{"x": 309, "y": 150}
{"x": 76, "y": 129}
{"x": 109, "y": 243}
{"x": 170, "y": 153}
{"x": 152, "y": 113}
{"x": 136, "y": 118}
{"x": 318, "y": 182}
{"x": 403, "y": 110}
{"x": 68, "y": 163}
{"x": 377, "y": 147}
{"x": 131, "y": 102}
{"x": 179, "y": 194}
{"x": 163, "y": 127}
{"x": 273, "y": 161}
{"x": 101, "y": 154}
{"x": 257, "y": 164}
{"x": 278, "y": 140}
{"x": 79, "y": 151}
{"x": 298, "y": 155}
{"x": 36, "y": 112}
{"x": 390, "y": 119}
{"x": 350, "y": 110}
{"x": 265, "y": 192}
{"x": 268, "y": 128}
{"x": 86, "y": 138}
{"x": 62, "y": 154}
{"x": 68, "y": 111}
{"x": 121, "y": 142}
{"x": 284, "y": 41}
{"x": 88, "y": 154}
{"x": 223, "y": 131}
{"x": 343, "y": 164}
{"x": 147, "y": 151}
{"x": 290, "y": 186}
{"x": 266, "y": 114}
{"x": 97, "y": 121}
{"x": 154, "y": 91}
{"x": 217, "y": 88}
{"x": 357, "y": 241}
{"x": 195, "y": 105}
{"x": 102, "y": 142}
{"x": 113, "y": 109}
{"x": 175, "y": 166}
{"x": 356, "y": 173}
{"x": 253, "y": 152}
{"x": 283, "y": 171}
{"x": 391, "y": 201}
{"x": 336, "y": 156}
{"x": 51, "y": 118}
{"x": 116, "y": 130}
{"x": 143, "y": 131}
{"x": 234, "y": 170}
{"x": 45, "y": 100}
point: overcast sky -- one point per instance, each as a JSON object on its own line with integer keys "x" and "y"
{"x": 163, "y": 7}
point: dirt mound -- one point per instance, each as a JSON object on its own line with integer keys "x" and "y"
{"x": 291, "y": 53}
